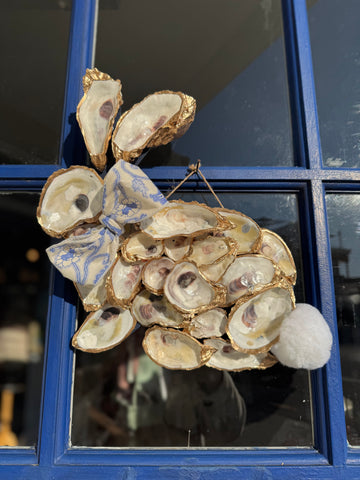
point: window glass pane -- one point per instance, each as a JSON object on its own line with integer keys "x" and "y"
{"x": 122, "y": 398}
{"x": 229, "y": 55}
{"x": 343, "y": 214}
{"x": 33, "y": 45}
{"x": 24, "y": 275}
{"x": 335, "y": 43}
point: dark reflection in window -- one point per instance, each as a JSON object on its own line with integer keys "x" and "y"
{"x": 33, "y": 44}
{"x": 335, "y": 45}
{"x": 122, "y": 398}
{"x": 344, "y": 223}
{"x": 229, "y": 56}
{"x": 24, "y": 274}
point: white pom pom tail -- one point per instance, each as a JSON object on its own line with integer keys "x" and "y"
{"x": 305, "y": 339}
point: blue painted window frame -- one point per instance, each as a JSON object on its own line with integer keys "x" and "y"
{"x": 331, "y": 458}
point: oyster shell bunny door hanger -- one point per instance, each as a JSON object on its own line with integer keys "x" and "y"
{"x": 210, "y": 285}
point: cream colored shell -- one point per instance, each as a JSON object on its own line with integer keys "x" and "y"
{"x": 175, "y": 350}
{"x": 189, "y": 292}
{"x": 96, "y": 113}
{"x": 156, "y": 120}
{"x": 254, "y": 324}
{"x": 274, "y": 247}
{"x": 246, "y": 234}
{"x": 149, "y": 309}
{"x": 227, "y": 358}
{"x": 104, "y": 329}
{"x": 183, "y": 219}
{"x": 70, "y": 197}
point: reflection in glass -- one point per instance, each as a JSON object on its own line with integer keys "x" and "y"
{"x": 24, "y": 274}
{"x": 33, "y": 39}
{"x": 335, "y": 44}
{"x": 122, "y": 398}
{"x": 343, "y": 213}
{"x": 228, "y": 56}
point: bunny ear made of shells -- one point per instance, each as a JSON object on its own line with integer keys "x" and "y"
{"x": 96, "y": 113}
{"x": 157, "y": 120}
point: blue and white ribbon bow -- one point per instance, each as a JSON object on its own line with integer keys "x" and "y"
{"x": 129, "y": 196}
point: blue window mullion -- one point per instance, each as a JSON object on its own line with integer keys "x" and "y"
{"x": 308, "y": 94}
{"x": 62, "y": 310}
{"x": 61, "y": 313}
{"x": 80, "y": 57}
{"x": 327, "y": 385}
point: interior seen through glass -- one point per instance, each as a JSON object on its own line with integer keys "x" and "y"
{"x": 343, "y": 214}
{"x": 123, "y": 399}
{"x": 24, "y": 278}
{"x": 232, "y": 63}
{"x": 33, "y": 45}
{"x": 335, "y": 46}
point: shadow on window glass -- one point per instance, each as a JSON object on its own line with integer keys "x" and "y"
{"x": 228, "y": 56}
{"x": 24, "y": 277}
{"x": 343, "y": 214}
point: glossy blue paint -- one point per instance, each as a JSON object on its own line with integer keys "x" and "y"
{"x": 330, "y": 425}
{"x": 330, "y": 458}
{"x": 81, "y": 46}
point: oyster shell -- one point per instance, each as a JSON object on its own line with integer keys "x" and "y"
{"x": 104, "y": 329}
{"x": 156, "y": 120}
{"x": 177, "y": 247}
{"x": 214, "y": 272}
{"x": 246, "y": 234}
{"x": 155, "y": 273}
{"x": 227, "y": 358}
{"x": 247, "y": 274}
{"x": 175, "y": 350}
{"x": 208, "y": 324}
{"x": 92, "y": 297}
{"x": 274, "y": 247}
{"x": 70, "y": 197}
{"x": 180, "y": 218}
{"x": 96, "y": 113}
{"x": 141, "y": 246}
{"x": 149, "y": 309}
{"x": 124, "y": 282}
{"x": 210, "y": 250}
{"x": 254, "y": 326}
{"x": 189, "y": 292}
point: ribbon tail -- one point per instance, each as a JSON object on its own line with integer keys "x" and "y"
{"x": 85, "y": 259}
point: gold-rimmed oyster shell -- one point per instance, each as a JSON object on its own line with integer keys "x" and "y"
{"x": 184, "y": 219}
{"x": 254, "y": 324}
{"x": 157, "y": 120}
{"x": 104, "y": 329}
{"x": 69, "y": 198}
{"x": 124, "y": 282}
{"x": 149, "y": 309}
{"x": 141, "y": 246}
{"x": 214, "y": 272}
{"x": 155, "y": 273}
{"x": 210, "y": 250}
{"x": 177, "y": 248}
{"x": 189, "y": 292}
{"x": 175, "y": 350}
{"x": 246, "y": 234}
{"x": 274, "y": 247}
{"x": 208, "y": 324}
{"x": 96, "y": 113}
{"x": 246, "y": 275}
{"x": 227, "y": 358}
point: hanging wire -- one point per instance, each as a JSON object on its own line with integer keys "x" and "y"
{"x": 195, "y": 169}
